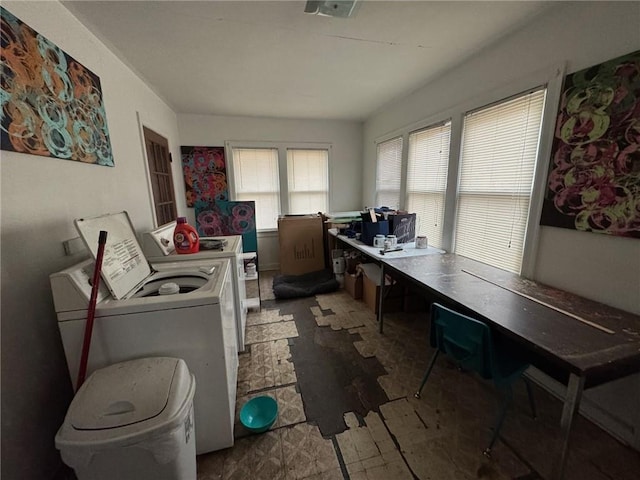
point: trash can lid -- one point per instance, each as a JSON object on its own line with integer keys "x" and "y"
{"x": 126, "y": 393}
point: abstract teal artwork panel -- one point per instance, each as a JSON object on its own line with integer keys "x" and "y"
{"x": 228, "y": 218}
{"x": 51, "y": 105}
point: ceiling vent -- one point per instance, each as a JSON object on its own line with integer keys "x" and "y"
{"x": 336, "y": 8}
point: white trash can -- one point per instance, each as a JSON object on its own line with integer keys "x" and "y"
{"x": 132, "y": 420}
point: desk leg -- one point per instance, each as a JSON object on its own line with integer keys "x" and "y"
{"x": 380, "y": 300}
{"x": 571, "y": 404}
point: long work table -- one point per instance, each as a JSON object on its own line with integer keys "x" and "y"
{"x": 408, "y": 250}
{"x": 378, "y": 255}
{"x": 575, "y": 340}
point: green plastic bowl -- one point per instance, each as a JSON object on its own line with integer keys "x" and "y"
{"x": 258, "y": 414}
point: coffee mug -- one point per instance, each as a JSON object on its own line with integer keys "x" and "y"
{"x": 393, "y": 240}
{"x": 378, "y": 241}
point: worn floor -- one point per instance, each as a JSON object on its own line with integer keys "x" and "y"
{"x": 347, "y": 410}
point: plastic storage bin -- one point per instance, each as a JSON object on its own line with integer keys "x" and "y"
{"x": 132, "y": 420}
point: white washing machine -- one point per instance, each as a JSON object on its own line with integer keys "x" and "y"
{"x": 158, "y": 247}
{"x": 135, "y": 319}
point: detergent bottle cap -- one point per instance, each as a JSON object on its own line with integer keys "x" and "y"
{"x": 181, "y": 220}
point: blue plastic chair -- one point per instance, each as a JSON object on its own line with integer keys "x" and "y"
{"x": 469, "y": 343}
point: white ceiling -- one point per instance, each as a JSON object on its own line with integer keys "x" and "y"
{"x": 270, "y": 59}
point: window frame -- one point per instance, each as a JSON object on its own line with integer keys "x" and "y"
{"x": 551, "y": 76}
{"x": 231, "y": 183}
{"x": 291, "y": 192}
{"x": 281, "y": 147}
{"x": 408, "y": 192}
{"x": 510, "y": 198}
{"x": 402, "y": 171}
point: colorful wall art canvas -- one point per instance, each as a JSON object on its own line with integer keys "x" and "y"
{"x": 205, "y": 174}
{"x": 228, "y": 218}
{"x": 594, "y": 176}
{"x": 51, "y": 104}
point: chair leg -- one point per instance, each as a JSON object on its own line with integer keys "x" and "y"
{"x": 527, "y": 382}
{"x": 426, "y": 375}
{"x": 506, "y": 401}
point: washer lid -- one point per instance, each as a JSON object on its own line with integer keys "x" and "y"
{"x": 124, "y": 266}
{"x": 124, "y": 393}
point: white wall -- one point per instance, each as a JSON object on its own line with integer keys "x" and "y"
{"x": 345, "y": 168}
{"x": 40, "y": 199}
{"x": 595, "y": 266}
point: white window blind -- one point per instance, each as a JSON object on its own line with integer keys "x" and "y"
{"x": 307, "y": 174}
{"x": 388, "y": 173}
{"x": 499, "y": 150}
{"x": 427, "y": 179}
{"x": 255, "y": 173}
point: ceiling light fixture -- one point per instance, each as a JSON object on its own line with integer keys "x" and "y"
{"x": 335, "y": 8}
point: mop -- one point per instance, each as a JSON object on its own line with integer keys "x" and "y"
{"x": 88, "y": 329}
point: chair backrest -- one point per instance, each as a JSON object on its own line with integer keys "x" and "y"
{"x": 465, "y": 339}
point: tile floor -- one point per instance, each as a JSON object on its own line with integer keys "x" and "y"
{"x": 439, "y": 437}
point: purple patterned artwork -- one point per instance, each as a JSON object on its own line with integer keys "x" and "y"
{"x": 594, "y": 178}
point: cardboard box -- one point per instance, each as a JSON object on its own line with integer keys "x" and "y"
{"x": 370, "y": 294}
{"x": 301, "y": 244}
{"x": 371, "y": 297}
{"x": 353, "y": 285}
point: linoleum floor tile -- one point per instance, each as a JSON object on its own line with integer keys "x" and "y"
{"x": 267, "y": 316}
{"x": 306, "y": 453}
{"x": 440, "y": 436}
{"x": 270, "y": 331}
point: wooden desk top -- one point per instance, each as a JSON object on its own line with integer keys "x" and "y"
{"x": 560, "y": 341}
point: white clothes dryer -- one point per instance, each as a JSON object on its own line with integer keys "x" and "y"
{"x": 194, "y": 321}
{"x": 158, "y": 246}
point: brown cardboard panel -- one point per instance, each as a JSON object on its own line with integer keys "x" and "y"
{"x": 353, "y": 285}
{"x": 301, "y": 244}
{"x": 371, "y": 295}
{"x": 370, "y": 292}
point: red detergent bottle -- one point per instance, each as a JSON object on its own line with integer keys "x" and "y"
{"x": 185, "y": 237}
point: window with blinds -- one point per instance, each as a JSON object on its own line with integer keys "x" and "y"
{"x": 498, "y": 157}
{"x": 256, "y": 177}
{"x": 427, "y": 179}
{"x": 388, "y": 173}
{"x": 307, "y": 180}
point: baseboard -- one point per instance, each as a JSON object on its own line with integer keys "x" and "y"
{"x": 269, "y": 266}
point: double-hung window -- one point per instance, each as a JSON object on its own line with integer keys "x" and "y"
{"x": 307, "y": 180}
{"x": 389, "y": 173}
{"x": 281, "y": 179}
{"x": 427, "y": 179}
{"x": 256, "y": 177}
{"x": 498, "y": 157}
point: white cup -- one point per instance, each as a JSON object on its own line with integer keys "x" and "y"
{"x": 378, "y": 241}
{"x": 393, "y": 240}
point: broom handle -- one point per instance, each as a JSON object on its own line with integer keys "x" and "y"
{"x": 88, "y": 329}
